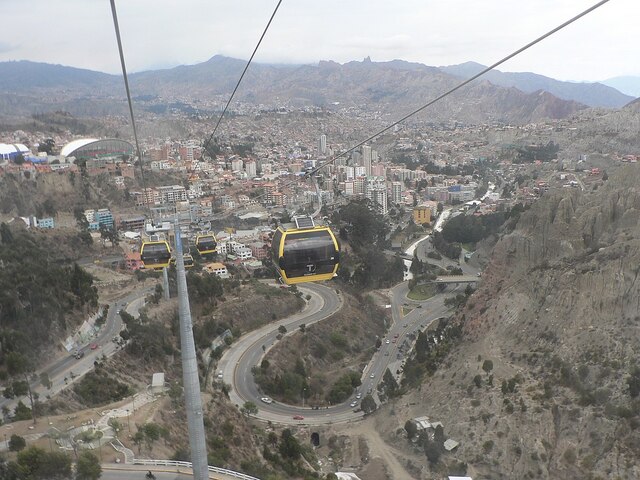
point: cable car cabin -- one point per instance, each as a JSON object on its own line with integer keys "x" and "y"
{"x": 187, "y": 259}
{"x": 206, "y": 244}
{"x": 155, "y": 254}
{"x": 305, "y": 252}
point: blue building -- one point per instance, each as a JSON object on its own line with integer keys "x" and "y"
{"x": 13, "y": 151}
{"x": 46, "y": 223}
{"x": 104, "y": 218}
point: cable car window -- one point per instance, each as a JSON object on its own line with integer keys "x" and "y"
{"x": 157, "y": 250}
{"x": 309, "y": 253}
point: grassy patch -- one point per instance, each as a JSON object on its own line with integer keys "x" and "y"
{"x": 406, "y": 310}
{"x": 422, "y": 292}
{"x": 469, "y": 247}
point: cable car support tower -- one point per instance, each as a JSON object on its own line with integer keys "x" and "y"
{"x": 191, "y": 382}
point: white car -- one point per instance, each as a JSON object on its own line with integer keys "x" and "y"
{"x": 266, "y": 400}
{"x": 387, "y": 341}
{"x": 358, "y": 395}
{"x": 353, "y": 404}
{"x": 373, "y": 375}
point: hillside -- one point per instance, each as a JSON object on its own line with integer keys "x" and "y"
{"x": 42, "y": 299}
{"x": 544, "y": 381}
{"x": 153, "y": 346}
{"x": 593, "y": 94}
{"x": 393, "y": 88}
{"x": 315, "y": 358}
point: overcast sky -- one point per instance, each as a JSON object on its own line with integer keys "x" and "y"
{"x": 166, "y": 33}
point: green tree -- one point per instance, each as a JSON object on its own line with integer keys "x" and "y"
{"x": 391, "y": 387}
{"x": 88, "y": 466}
{"x": 438, "y": 436}
{"x": 633, "y": 381}
{"x": 152, "y": 432}
{"x": 289, "y": 445}
{"x": 487, "y": 366}
{"x": 411, "y": 429}
{"x": 368, "y": 404}
{"x": 16, "y": 443}
{"x": 432, "y": 451}
{"x": 38, "y": 464}
{"x": 138, "y": 439}
{"x": 47, "y": 146}
{"x": 19, "y": 365}
{"x": 249, "y": 408}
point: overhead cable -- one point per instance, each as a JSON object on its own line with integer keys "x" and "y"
{"x": 206, "y": 144}
{"x": 461, "y": 84}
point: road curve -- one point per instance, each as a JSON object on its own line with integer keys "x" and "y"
{"x": 237, "y": 362}
{"x": 61, "y": 370}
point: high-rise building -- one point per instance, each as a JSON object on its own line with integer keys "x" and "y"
{"x": 396, "y": 192}
{"x": 421, "y": 214}
{"x": 378, "y": 195}
{"x": 378, "y": 170}
{"x": 359, "y": 185}
{"x": 366, "y": 159}
{"x": 322, "y": 144}
{"x": 350, "y": 173}
{"x": 251, "y": 168}
{"x": 236, "y": 164}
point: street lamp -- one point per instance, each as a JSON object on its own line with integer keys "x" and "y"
{"x": 128, "y": 421}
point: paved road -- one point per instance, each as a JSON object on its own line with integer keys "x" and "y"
{"x": 60, "y": 371}
{"x": 237, "y": 362}
{"x": 138, "y": 472}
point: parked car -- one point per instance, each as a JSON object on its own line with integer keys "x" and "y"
{"x": 298, "y": 417}
{"x": 266, "y": 400}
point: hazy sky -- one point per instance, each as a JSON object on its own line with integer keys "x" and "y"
{"x": 165, "y": 33}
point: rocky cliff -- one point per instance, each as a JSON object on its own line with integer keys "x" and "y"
{"x": 558, "y": 316}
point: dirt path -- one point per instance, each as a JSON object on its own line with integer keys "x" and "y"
{"x": 378, "y": 448}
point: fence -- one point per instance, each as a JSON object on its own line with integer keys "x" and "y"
{"x": 174, "y": 463}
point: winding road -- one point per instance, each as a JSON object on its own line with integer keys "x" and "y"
{"x": 237, "y": 362}
{"x": 65, "y": 369}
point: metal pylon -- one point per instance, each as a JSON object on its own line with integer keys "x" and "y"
{"x": 165, "y": 284}
{"x": 193, "y": 401}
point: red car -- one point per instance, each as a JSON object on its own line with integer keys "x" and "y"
{"x": 298, "y": 417}
{"x": 93, "y": 346}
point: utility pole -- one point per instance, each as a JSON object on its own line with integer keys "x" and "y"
{"x": 191, "y": 382}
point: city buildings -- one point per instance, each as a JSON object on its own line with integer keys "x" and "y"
{"x": 322, "y": 145}
{"x": 421, "y": 214}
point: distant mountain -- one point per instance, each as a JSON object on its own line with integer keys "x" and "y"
{"x": 626, "y": 84}
{"x": 23, "y": 75}
{"x": 591, "y": 94}
{"x": 395, "y": 88}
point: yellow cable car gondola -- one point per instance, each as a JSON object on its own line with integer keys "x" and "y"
{"x": 305, "y": 252}
{"x": 155, "y": 253}
{"x": 188, "y": 260}
{"x": 206, "y": 243}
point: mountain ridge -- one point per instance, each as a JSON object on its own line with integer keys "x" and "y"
{"x": 593, "y": 94}
{"x": 395, "y": 87}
